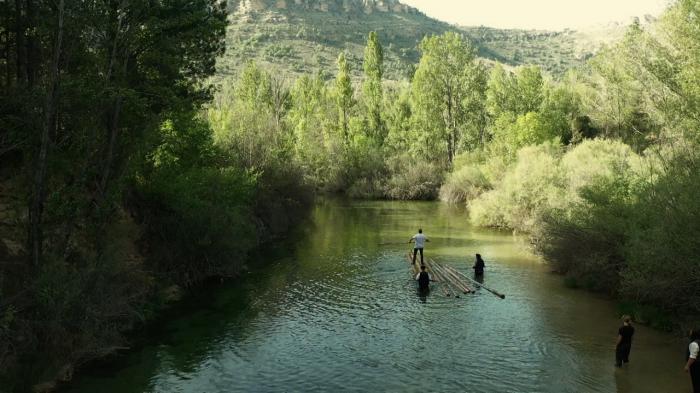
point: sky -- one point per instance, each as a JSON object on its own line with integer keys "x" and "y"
{"x": 537, "y": 14}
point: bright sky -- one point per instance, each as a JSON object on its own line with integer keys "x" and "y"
{"x": 537, "y": 14}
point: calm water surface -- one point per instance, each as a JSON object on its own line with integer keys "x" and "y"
{"x": 338, "y": 311}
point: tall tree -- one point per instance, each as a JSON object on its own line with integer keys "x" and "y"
{"x": 372, "y": 88}
{"x": 312, "y": 120}
{"x": 442, "y": 89}
{"x": 36, "y": 207}
{"x": 501, "y": 95}
{"x": 530, "y": 85}
{"x": 128, "y": 66}
{"x": 248, "y": 118}
{"x": 343, "y": 95}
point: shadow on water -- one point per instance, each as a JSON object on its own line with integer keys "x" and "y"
{"x": 423, "y": 294}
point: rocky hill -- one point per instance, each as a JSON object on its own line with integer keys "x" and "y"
{"x": 292, "y": 37}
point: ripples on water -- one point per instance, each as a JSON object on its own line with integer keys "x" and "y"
{"x": 347, "y": 318}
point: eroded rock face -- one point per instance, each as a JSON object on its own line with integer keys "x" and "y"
{"x": 243, "y": 7}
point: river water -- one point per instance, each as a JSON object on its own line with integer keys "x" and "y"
{"x": 337, "y": 311}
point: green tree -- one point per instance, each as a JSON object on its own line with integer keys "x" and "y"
{"x": 373, "y": 93}
{"x": 247, "y": 118}
{"x": 501, "y": 93}
{"x": 530, "y": 85}
{"x": 444, "y": 89}
{"x": 398, "y": 115}
{"x": 312, "y": 118}
{"x": 343, "y": 95}
{"x": 85, "y": 91}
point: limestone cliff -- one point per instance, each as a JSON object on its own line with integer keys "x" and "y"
{"x": 242, "y": 7}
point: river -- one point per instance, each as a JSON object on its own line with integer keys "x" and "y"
{"x": 338, "y": 311}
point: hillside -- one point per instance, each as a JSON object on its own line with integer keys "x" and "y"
{"x": 293, "y": 37}
{"x": 302, "y": 36}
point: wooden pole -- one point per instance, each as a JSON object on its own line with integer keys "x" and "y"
{"x": 502, "y": 296}
{"x": 450, "y": 271}
{"x": 453, "y": 279}
{"x": 438, "y": 274}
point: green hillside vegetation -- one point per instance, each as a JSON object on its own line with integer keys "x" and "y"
{"x": 555, "y": 52}
{"x": 301, "y": 40}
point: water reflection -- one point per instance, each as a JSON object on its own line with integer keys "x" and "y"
{"x": 423, "y": 294}
{"x": 339, "y": 311}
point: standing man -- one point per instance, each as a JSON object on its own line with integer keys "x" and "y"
{"x": 624, "y": 341}
{"x": 692, "y": 366}
{"x": 419, "y": 239}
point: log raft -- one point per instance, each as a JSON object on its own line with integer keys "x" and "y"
{"x": 450, "y": 283}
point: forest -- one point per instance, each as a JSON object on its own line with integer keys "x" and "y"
{"x": 128, "y": 176}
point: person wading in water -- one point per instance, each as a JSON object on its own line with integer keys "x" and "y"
{"x": 479, "y": 266}
{"x": 692, "y": 365}
{"x": 624, "y": 341}
{"x": 420, "y": 239}
{"x": 423, "y": 279}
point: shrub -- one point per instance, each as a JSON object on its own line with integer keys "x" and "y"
{"x": 532, "y": 185}
{"x": 468, "y": 180}
{"x": 198, "y": 222}
{"x": 663, "y": 247}
{"x": 464, "y": 185}
{"x": 413, "y": 180}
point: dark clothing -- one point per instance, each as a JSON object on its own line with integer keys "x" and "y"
{"x": 626, "y": 332}
{"x": 415, "y": 250}
{"x": 622, "y": 354}
{"x": 479, "y": 267}
{"x": 423, "y": 281}
{"x": 622, "y": 351}
{"x": 694, "y": 371}
{"x": 695, "y": 376}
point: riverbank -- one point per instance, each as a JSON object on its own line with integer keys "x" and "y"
{"x": 80, "y": 307}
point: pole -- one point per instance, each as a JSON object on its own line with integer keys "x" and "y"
{"x": 502, "y": 296}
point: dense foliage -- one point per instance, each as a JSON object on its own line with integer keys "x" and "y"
{"x": 577, "y": 163}
{"x": 114, "y": 192}
{"x": 128, "y": 177}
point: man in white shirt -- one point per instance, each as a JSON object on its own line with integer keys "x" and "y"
{"x": 693, "y": 366}
{"x": 419, "y": 239}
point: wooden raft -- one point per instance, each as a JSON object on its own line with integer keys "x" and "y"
{"x": 451, "y": 282}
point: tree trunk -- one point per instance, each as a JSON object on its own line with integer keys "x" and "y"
{"x": 31, "y": 47}
{"x": 8, "y": 68}
{"x": 113, "y": 123}
{"x": 20, "y": 48}
{"x": 113, "y": 129}
{"x": 48, "y": 129}
{"x": 450, "y": 147}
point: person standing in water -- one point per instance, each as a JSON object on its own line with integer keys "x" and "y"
{"x": 624, "y": 341}
{"x": 692, "y": 366}
{"x": 479, "y": 266}
{"x": 419, "y": 239}
{"x": 423, "y": 279}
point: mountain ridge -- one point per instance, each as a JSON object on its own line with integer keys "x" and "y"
{"x": 294, "y": 37}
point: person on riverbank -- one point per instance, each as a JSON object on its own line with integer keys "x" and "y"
{"x": 419, "y": 239}
{"x": 479, "y": 266}
{"x": 692, "y": 366}
{"x": 624, "y": 341}
{"x": 423, "y": 279}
